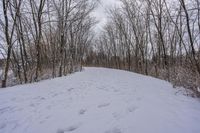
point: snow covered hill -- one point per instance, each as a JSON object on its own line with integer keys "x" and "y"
{"x": 98, "y": 100}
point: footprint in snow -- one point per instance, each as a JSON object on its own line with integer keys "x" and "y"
{"x": 13, "y": 99}
{"x": 132, "y": 109}
{"x": 72, "y": 128}
{"x": 39, "y": 99}
{"x": 114, "y": 130}
{"x": 103, "y": 105}
{"x": 6, "y": 109}
{"x": 138, "y": 98}
{"x": 102, "y": 88}
{"x": 55, "y": 94}
{"x": 116, "y": 115}
{"x": 70, "y": 89}
{"x": 2, "y": 126}
{"x": 32, "y": 105}
{"x": 48, "y": 107}
{"x": 69, "y": 129}
{"x": 115, "y": 90}
{"x": 60, "y": 131}
{"x": 47, "y": 117}
{"x": 82, "y": 111}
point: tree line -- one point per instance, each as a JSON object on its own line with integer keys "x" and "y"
{"x": 48, "y": 38}
{"x": 43, "y": 38}
{"x": 160, "y": 38}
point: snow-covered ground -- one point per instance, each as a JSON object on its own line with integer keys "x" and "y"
{"x": 98, "y": 100}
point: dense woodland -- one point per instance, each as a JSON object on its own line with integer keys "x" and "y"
{"x": 160, "y": 38}
{"x": 49, "y": 38}
{"x": 44, "y": 38}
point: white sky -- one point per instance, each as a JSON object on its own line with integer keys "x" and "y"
{"x": 100, "y": 12}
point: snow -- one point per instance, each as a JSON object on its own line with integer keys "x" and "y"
{"x": 98, "y": 100}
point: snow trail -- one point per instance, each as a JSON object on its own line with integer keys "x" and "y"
{"x": 98, "y": 100}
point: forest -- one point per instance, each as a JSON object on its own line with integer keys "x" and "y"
{"x": 42, "y": 39}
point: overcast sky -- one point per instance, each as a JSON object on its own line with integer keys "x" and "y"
{"x": 100, "y": 12}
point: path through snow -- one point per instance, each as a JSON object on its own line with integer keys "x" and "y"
{"x": 98, "y": 100}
